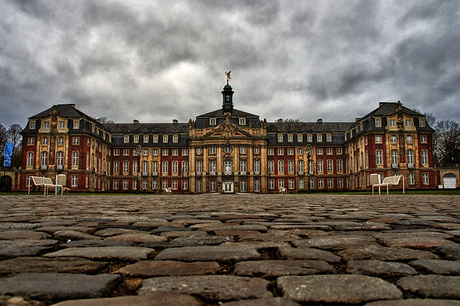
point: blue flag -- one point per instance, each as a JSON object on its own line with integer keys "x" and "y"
{"x": 8, "y": 153}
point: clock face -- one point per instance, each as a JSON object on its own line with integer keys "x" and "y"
{"x": 227, "y": 105}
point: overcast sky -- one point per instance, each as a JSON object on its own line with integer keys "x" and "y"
{"x": 156, "y": 61}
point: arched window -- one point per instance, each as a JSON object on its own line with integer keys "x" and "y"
{"x": 75, "y": 159}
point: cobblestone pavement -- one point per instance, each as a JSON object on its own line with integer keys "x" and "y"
{"x": 242, "y": 249}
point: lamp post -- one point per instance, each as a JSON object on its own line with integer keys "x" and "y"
{"x": 309, "y": 152}
{"x": 138, "y": 151}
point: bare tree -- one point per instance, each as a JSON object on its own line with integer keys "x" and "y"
{"x": 447, "y": 141}
{"x": 13, "y": 133}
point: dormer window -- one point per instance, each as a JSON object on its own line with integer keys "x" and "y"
{"x": 175, "y": 138}
{"x": 46, "y": 125}
{"x": 76, "y": 124}
{"x": 378, "y": 122}
{"x": 319, "y": 138}
{"x": 242, "y": 121}
{"x": 32, "y": 125}
{"x": 422, "y": 122}
{"x": 212, "y": 121}
{"x": 165, "y": 138}
{"x": 126, "y": 139}
{"x": 136, "y": 139}
{"x": 392, "y": 122}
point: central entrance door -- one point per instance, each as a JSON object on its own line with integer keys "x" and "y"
{"x": 227, "y": 187}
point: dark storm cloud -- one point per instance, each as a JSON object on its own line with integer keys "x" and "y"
{"x": 160, "y": 60}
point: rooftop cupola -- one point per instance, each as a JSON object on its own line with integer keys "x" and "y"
{"x": 227, "y": 95}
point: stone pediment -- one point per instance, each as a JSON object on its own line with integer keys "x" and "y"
{"x": 227, "y": 130}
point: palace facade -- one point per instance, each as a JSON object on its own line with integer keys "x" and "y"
{"x": 228, "y": 150}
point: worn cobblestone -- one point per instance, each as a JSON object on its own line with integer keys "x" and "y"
{"x": 242, "y": 249}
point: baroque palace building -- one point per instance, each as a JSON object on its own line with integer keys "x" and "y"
{"x": 228, "y": 150}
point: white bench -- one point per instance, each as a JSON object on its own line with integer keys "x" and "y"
{"x": 168, "y": 190}
{"x": 283, "y": 190}
{"x": 46, "y": 183}
{"x": 389, "y": 180}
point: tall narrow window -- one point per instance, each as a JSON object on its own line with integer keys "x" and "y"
{"x": 320, "y": 165}
{"x": 199, "y": 166}
{"x": 270, "y": 166}
{"x": 243, "y": 166}
{"x": 257, "y": 166}
{"x": 281, "y": 166}
{"x": 329, "y": 166}
{"x": 60, "y": 159}
{"x": 379, "y": 157}
{"x": 339, "y": 165}
{"x": 184, "y": 166}
{"x": 291, "y": 166}
{"x": 212, "y": 166}
{"x": 394, "y": 158}
{"x": 30, "y": 159}
{"x": 164, "y": 168}
{"x": 44, "y": 159}
{"x": 410, "y": 158}
{"x": 424, "y": 157}
{"x": 175, "y": 166}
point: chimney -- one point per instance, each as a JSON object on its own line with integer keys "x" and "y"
{"x": 319, "y": 120}
{"x": 135, "y": 121}
{"x": 175, "y": 121}
{"x": 280, "y": 120}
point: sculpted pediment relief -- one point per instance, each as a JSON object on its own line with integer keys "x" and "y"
{"x": 227, "y": 130}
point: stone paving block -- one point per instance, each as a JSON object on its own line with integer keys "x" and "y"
{"x": 379, "y": 268}
{"x": 95, "y": 243}
{"x": 43, "y": 265}
{"x": 178, "y": 234}
{"x": 24, "y": 247}
{"x": 200, "y": 240}
{"x": 6, "y": 300}
{"x": 209, "y": 287}
{"x": 278, "y": 301}
{"x": 336, "y": 242}
{"x": 23, "y": 234}
{"x": 308, "y": 254}
{"x": 337, "y": 288}
{"x": 451, "y": 251}
{"x": 54, "y": 229}
{"x": 138, "y": 238}
{"x": 414, "y": 239}
{"x": 115, "y": 252}
{"x": 415, "y": 302}
{"x": 272, "y": 268}
{"x": 55, "y": 286}
{"x": 107, "y": 232}
{"x": 18, "y": 226}
{"x": 432, "y": 286}
{"x": 210, "y": 253}
{"x": 301, "y": 226}
{"x": 443, "y": 267}
{"x": 157, "y": 299}
{"x": 170, "y": 268}
{"x": 354, "y": 226}
{"x": 74, "y": 235}
{"x": 235, "y": 227}
{"x": 378, "y": 252}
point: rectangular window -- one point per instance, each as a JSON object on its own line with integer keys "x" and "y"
{"x": 320, "y": 165}
{"x": 339, "y": 165}
{"x": 32, "y": 125}
{"x": 290, "y": 138}
{"x": 392, "y": 122}
{"x": 185, "y": 185}
{"x": 199, "y": 166}
{"x": 301, "y": 184}
{"x": 379, "y": 157}
{"x": 136, "y": 139}
{"x": 146, "y": 152}
{"x": 257, "y": 167}
{"x": 125, "y": 166}
{"x": 330, "y": 183}
{"x": 280, "y": 151}
{"x": 46, "y": 125}
{"x": 146, "y": 139}
{"x": 184, "y": 166}
{"x": 393, "y": 139}
{"x": 61, "y": 140}
{"x": 424, "y": 157}
{"x": 280, "y": 184}
{"x": 426, "y": 179}
{"x": 340, "y": 183}
{"x": 299, "y": 138}
{"x": 309, "y": 138}
{"x": 378, "y": 139}
{"x": 184, "y": 152}
{"x": 329, "y": 166}
{"x": 212, "y": 166}
{"x": 212, "y": 121}
{"x": 423, "y": 139}
{"x": 320, "y": 183}
{"x": 291, "y": 166}
{"x": 76, "y": 140}
{"x": 329, "y": 151}
{"x": 319, "y": 151}
{"x": 155, "y": 138}
{"x": 280, "y": 137}
{"x": 75, "y": 159}
{"x": 30, "y": 141}
{"x": 164, "y": 167}
{"x": 126, "y": 139}
{"x": 256, "y": 185}
{"x": 115, "y": 184}
{"x": 411, "y": 178}
{"x": 339, "y": 151}
{"x": 378, "y": 122}
{"x": 155, "y": 168}
{"x": 408, "y": 123}
{"x": 165, "y": 138}
{"x": 74, "y": 180}
{"x": 242, "y": 150}
{"x": 394, "y": 158}
{"x": 175, "y": 152}
{"x": 62, "y": 124}
{"x": 290, "y": 151}
{"x": 125, "y": 184}
{"x": 409, "y": 139}
{"x": 319, "y": 138}
{"x": 300, "y": 151}
{"x": 212, "y": 150}
{"x": 291, "y": 184}
{"x": 329, "y": 138}
{"x": 243, "y": 167}
{"x": 154, "y": 185}
{"x": 271, "y": 152}
{"x": 155, "y": 152}
{"x": 116, "y": 168}
{"x": 125, "y": 152}
{"x": 175, "y": 166}
{"x": 164, "y": 152}
{"x": 281, "y": 166}
{"x": 116, "y": 152}
{"x": 270, "y": 166}
{"x": 175, "y": 138}
{"x": 242, "y": 121}
{"x": 422, "y": 122}
{"x": 271, "y": 184}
